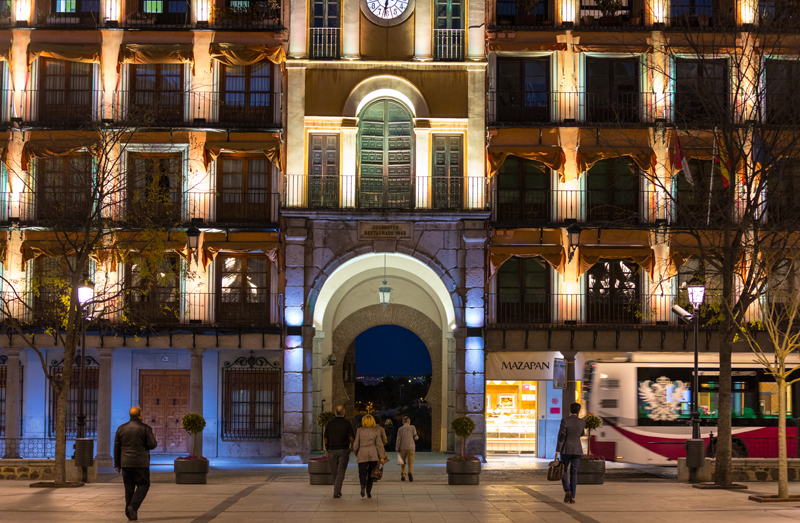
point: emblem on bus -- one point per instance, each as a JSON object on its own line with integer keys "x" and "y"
{"x": 659, "y": 405}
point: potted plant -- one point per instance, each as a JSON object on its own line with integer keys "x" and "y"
{"x": 62, "y": 19}
{"x": 463, "y": 469}
{"x": 525, "y": 10}
{"x": 192, "y": 470}
{"x": 588, "y": 20}
{"x": 592, "y": 469}
{"x": 141, "y": 19}
{"x": 609, "y": 8}
{"x": 319, "y": 469}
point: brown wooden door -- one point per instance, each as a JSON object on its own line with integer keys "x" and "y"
{"x": 164, "y": 397}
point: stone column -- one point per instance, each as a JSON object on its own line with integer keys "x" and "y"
{"x": 196, "y": 390}
{"x": 12, "y": 401}
{"x": 568, "y": 398}
{"x": 422, "y": 140}
{"x": 104, "y": 401}
{"x": 351, "y": 30}
{"x": 423, "y": 35}
{"x": 476, "y": 39}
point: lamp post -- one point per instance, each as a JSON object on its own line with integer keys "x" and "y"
{"x": 697, "y": 292}
{"x": 85, "y": 293}
{"x": 193, "y": 240}
{"x": 573, "y": 237}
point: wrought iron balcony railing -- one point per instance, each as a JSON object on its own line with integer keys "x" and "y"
{"x": 324, "y": 43}
{"x": 449, "y": 45}
{"x": 543, "y": 107}
{"x": 61, "y": 107}
{"x": 252, "y": 207}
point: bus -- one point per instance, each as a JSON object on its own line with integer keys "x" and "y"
{"x": 644, "y": 401}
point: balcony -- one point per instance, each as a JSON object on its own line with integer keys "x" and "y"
{"x": 509, "y": 108}
{"x": 250, "y": 208}
{"x": 516, "y": 309}
{"x": 161, "y": 206}
{"x": 84, "y": 14}
{"x": 158, "y": 14}
{"x": 324, "y": 43}
{"x": 432, "y": 193}
{"x": 449, "y": 45}
{"x": 61, "y": 107}
{"x": 537, "y": 207}
{"x": 70, "y": 208}
{"x": 256, "y": 16}
{"x": 254, "y": 110}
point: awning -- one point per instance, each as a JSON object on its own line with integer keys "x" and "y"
{"x": 542, "y": 145}
{"x": 54, "y": 245}
{"x": 704, "y": 244}
{"x": 517, "y": 46}
{"x": 156, "y": 54}
{"x": 140, "y": 244}
{"x": 239, "y": 54}
{"x": 241, "y": 243}
{"x": 84, "y": 53}
{"x": 526, "y": 243}
{"x": 269, "y": 147}
{"x": 615, "y": 244}
{"x": 612, "y": 42}
{"x": 600, "y": 144}
{"x": 44, "y": 148}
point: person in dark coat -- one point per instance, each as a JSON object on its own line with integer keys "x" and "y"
{"x": 569, "y": 445}
{"x": 338, "y": 437}
{"x": 132, "y": 445}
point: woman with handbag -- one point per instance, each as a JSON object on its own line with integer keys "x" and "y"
{"x": 369, "y": 450}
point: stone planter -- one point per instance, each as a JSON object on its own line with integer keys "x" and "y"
{"x": 463, "y": 472}
{"x": 319, "y": 472}
{"x": 591, "y": 472}
{"x": 191, "y": 471}
{"x": 588, "y": 20}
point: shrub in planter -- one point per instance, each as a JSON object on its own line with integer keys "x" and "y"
{"x": 592, "y": 469}
{"x": 319, "y": 471}
{"x": 192, "y": 470}
{"x": 463, "y": 469}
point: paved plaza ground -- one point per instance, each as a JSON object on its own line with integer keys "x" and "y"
{"x": 512, "y": 490}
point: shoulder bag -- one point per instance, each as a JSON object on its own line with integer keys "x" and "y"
{"x": 555, "y": 470}
{"x": 377, "y": 472}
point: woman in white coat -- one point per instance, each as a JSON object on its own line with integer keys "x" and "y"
{"x": 369, "y": 450}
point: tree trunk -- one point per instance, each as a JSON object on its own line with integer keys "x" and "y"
{"x": 589, "y": 442}
{"x": 783, "y": 464}
{"x": 723, "y": 455}
{"x": 60, "y": 465}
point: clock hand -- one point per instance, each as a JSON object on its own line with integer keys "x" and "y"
{"x": 386, "y": 7}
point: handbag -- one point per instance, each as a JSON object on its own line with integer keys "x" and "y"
{"x": 377, "y": 472}
{"x": 400, "y": 459}
{"x": 555, "y": 470}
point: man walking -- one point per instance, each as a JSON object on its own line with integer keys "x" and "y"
{"x": 338, "y": 437}
{"x": 406, "y": 446}
{"x": 569, "y": 445}
{"x": 132, "y": 446}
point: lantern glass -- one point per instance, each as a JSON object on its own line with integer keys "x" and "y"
{"x": 574, "y": 235}
{"x": 193, "y": 237}
{"x": 85, "y": 292}
{"x": 696, "y": 294}
{"x": 385, "y": 294}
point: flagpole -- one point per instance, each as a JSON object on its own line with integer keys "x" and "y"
{"x": 711, "y": 183}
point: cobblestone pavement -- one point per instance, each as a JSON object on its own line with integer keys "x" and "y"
{"x": 511, "y": 491}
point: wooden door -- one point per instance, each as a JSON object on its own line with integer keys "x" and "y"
{"x": 164, "y": 398}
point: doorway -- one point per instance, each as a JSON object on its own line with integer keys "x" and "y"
{"x": 393, "y": 370}
{"x": 164, "y": 398}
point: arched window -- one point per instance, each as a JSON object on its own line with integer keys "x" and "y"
{"x": 385, "y": 153}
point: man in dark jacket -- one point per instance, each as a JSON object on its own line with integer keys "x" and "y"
{"x": 569, "y": 445}
{"x": 132, "y": 446}
{"x": 338, "y": 437}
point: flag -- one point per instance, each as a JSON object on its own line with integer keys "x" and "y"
{"x": 724, "y": 163}
{"x": 680, "y": 161}
{"x": 761, "y": 156}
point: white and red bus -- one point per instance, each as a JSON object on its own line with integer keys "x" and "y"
{"x": 644, "y": 400}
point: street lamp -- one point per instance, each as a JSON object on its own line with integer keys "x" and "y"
{"x": 573, "y": 237}
{"x": 697, "y": 291}
{"x": 384, "y": 291}
{"x": 193, "y": 239}
{"x": 85, "y": 294}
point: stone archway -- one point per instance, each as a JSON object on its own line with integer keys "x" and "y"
{"x": 403, "y": 316}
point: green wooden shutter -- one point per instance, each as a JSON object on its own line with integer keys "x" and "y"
{"x": 323, "y": 181}
{"x": 448, "y": 172}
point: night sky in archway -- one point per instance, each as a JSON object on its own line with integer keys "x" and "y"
{"x": 391, "y": 350}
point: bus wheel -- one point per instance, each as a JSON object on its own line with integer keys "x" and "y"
{"x": 738, "y": 448}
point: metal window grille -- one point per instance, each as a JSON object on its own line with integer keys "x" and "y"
{"x": 251, "y": 401}
{"x": 3, "y": 377}
{"x": 90, "y": 392}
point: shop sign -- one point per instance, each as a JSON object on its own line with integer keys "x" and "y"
{"x": 384, "y": 231}
{"x": 523, "y": 366}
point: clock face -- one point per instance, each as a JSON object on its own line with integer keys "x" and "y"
{"x": 387, "y": 9}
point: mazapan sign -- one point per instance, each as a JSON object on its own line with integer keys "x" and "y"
{"x": 523, "y": 366}
{"x": 384, "y": 231}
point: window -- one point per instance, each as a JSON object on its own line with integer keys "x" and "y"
{"x": 3, "y": 386}
{"x": 613, "y": 191}
{"x": 449, "y": 14}
{"x": 589, "y": 8}
{"x": 385, "y": 152}
{"x": 784, "y": 282}
{"x": 66, "y": 94}
{"x": 783, "y": 97}
{"x": 167, "y": 11}
{"x": 448, "y": 33}
{"x": 508, "y": 14}
{"x": 323, "y": 182}
{"x": 49, "y": 280}
{"x": 612, "y": 90}
{"x": 324, "y": 33}
{"x": 155, "y": 187}
{"x": 712, "y": 281}
{"x": 326, "y": 13}
{"x": 523, "y": 191}
{"x": 64, "y": 189}
{"x": 701, "y": 91}
{"x": 153, "y": 290}
{"x": 244, "y": 189}
{"x": 244, "y": 290}
{"x": 523, "y": 90}
{"x": 75, "y": 6}
{"x": 523, "y": 290}
{"x": 157, "y": 93}
{"x": 247, "y": 94}
{"x": 613, "y": 292}
{"x": 251, "y": 402}
{"x": 782, "y": 191}
{"x": 90, "y": 393}
{"x": 705, "y": 202}
{"x": 685, "y": 12}
{"x": 448, "y": 172}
